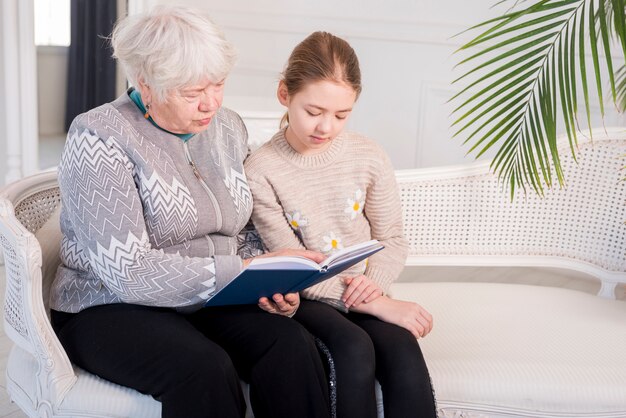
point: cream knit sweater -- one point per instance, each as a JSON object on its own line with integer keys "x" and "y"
{"x": 343, "y": 196}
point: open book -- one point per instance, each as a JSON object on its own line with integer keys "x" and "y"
{"x": 267, "y": 276}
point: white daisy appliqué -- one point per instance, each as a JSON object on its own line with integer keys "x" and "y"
{"x": 296, "y": 220}
{"x": 332, "y": 243}
{"x": 355, "y": 206}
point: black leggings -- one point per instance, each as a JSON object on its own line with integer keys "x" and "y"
{"x": 192, "y": 363}
{"x": 363, "y": 348}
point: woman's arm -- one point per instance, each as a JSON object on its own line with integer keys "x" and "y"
{"x": 106, "y": 214}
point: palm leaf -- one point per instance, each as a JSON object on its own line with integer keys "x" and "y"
{"x": 618, "y": 8}
{"x": 621, "y": 88}
{"x": 522, "y": 76}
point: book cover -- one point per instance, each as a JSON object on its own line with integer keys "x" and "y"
{"x": 266, "y": 276}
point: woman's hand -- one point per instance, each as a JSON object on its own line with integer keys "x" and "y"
{"x": 312, "y": 255}
{"x": 407, "y": 315}
{"x": 285, "y": 305}
{"x": 360, "y": 289}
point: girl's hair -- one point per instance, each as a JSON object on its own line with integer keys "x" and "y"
{"x": 171, "y": 47}
{"x": 321, "y": 56}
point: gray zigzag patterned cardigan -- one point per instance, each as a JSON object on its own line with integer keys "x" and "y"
{"x": 147, "y": 218}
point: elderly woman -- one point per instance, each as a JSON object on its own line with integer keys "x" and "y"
{"x": 154, "y": 197}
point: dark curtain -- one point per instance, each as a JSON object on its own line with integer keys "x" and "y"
{"x": 91, "y": 69}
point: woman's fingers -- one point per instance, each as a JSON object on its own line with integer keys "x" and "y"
{"x": 281, "y": 304}
{"x": 267, "y": 305}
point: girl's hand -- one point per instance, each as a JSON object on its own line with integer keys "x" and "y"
{"x": 360, "y": 289}
{"x": 408, "y": 315}
{"x": 285, "y": 305}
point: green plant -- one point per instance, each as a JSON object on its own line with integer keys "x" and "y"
{"x": 529, "y": 66}
{"x": 621, "y": 88}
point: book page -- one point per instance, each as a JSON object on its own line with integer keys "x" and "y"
{"x": 351, "y": 252}
{"x": 283, "y": 263}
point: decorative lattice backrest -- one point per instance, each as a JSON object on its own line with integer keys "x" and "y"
{"x": 35, "y": 210}
{"x": 30, "y": 237}
{"x": 464, "y": 216}
{"x": 30, "y": 258}
{"x": 14, "y": 315}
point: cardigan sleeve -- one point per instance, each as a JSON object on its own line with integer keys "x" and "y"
{"x": 105, "y": 213}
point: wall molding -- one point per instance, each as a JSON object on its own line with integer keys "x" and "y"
{"x": 390, "y": 30}
{"x": 430, "y": 93}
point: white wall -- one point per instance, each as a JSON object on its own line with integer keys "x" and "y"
{"x": 406, "y": 49}
{"x": 51, "y": 88}
{"x": 18, "y": 133}
{"x": 405, "y": 52}
{"x": 3, "y": 104}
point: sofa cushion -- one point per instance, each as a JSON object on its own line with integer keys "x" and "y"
{"x": 49, "y": 237}
{"x": 523, "y": 349}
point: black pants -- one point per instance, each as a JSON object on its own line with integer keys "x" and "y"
{"x": 364, "y": 348}
{"x": 192, "y": 363}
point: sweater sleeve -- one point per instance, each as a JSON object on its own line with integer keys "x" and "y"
{"x": 383, "y": 210}
{"x": 269, "y": 218}
{"x": 105, "y": 212}
{"x": 270, "y": 221}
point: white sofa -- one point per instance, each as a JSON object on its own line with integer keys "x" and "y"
{"x": 497, "y": 350}
{"x": 510, "y": 350}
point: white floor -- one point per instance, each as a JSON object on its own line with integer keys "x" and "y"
{"x": 50, "y": 151}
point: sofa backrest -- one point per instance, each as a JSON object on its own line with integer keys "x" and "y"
{"x": 463, "y": 215}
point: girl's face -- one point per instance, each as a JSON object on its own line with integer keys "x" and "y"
{"x": 186, "y": 111}
{"x": 317, "y": 114}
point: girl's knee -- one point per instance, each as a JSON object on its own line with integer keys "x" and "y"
{"x": 354, "y": 357}
{"x": 292, "y": 340}
{"x": 355, "y": 346}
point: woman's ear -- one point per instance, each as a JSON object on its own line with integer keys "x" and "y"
{"x": 144, "y": 90}
{"x": 282, "y": 94}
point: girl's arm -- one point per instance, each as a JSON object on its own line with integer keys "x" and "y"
{"x": 269, "y": 218}
{"x": 408, "y": 315}
{"x": 384, "y": 213}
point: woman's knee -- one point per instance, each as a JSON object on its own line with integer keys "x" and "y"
{"x": 202, "y": 365}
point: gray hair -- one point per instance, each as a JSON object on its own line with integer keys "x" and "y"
{"x": 171, "y": 47}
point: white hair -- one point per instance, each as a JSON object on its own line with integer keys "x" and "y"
{"x": 170, "y": 48}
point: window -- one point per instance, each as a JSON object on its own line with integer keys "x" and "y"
{"x": 52, "y": 22}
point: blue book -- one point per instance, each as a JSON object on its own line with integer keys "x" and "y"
{"x": 266, "y": 276}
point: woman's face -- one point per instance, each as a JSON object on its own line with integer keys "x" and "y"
{"x": 186, "y": 111}
{"x": 317, "y": 114}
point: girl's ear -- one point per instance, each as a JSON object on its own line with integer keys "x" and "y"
{"x": 282, "y": 94}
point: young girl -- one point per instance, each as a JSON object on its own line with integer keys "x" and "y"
{"x": 320, "y": 188}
